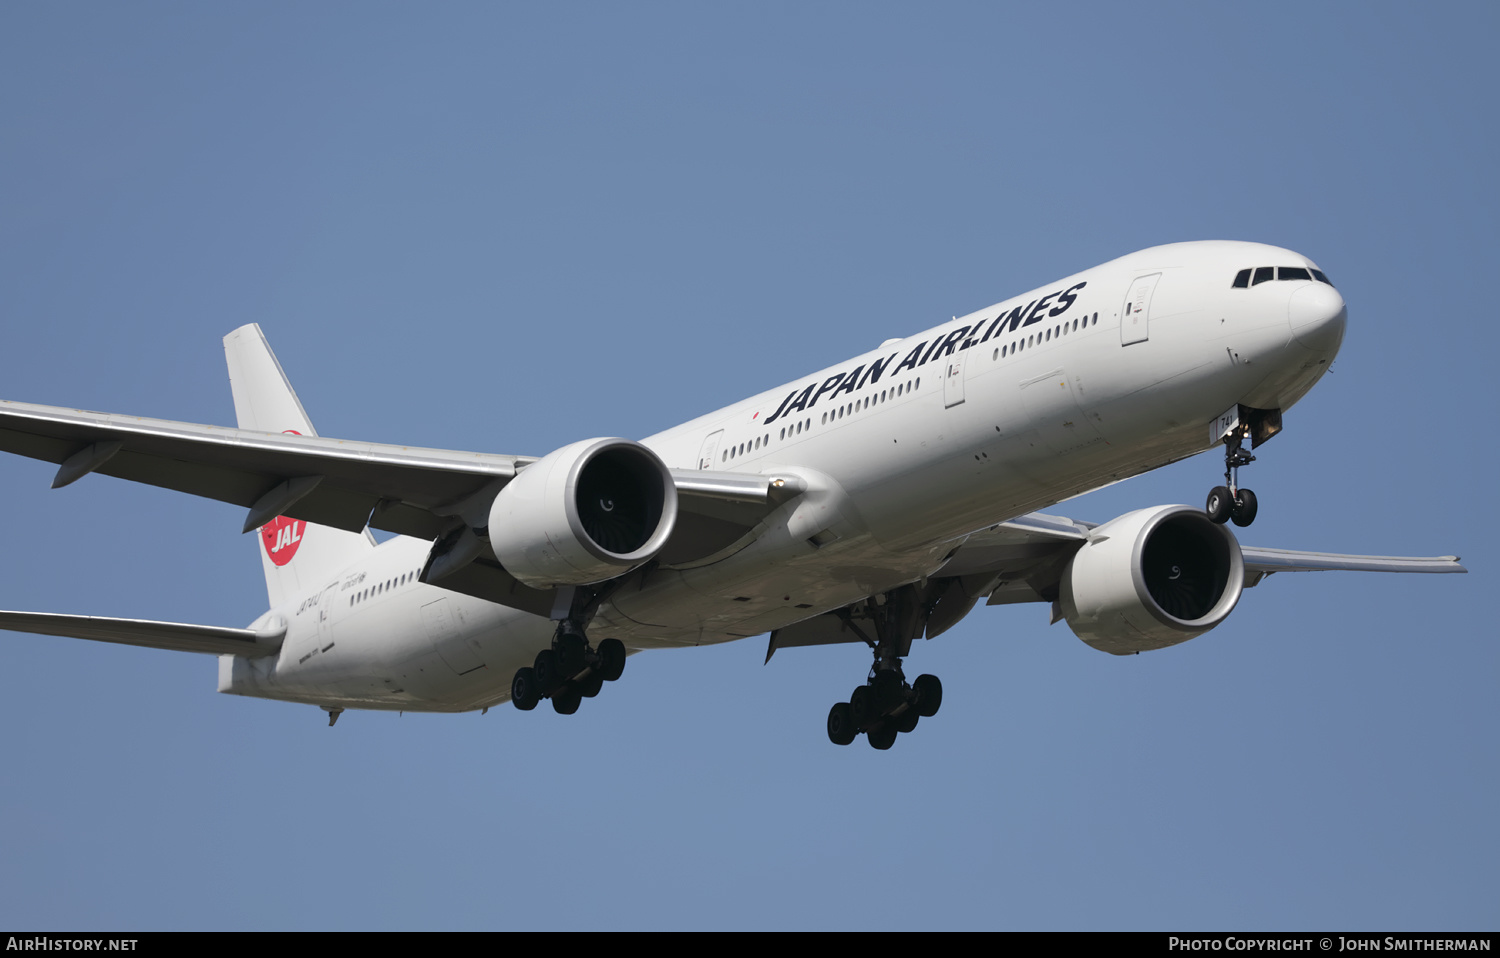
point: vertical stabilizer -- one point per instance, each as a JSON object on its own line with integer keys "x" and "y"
{"x": 297, "y": 556}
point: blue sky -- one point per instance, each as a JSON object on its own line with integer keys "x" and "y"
{"x": 508, "y": 227}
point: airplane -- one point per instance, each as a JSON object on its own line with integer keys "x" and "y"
{"x": 873, "y": 502}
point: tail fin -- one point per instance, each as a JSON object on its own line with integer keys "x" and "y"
{"x": 297, "y": 556}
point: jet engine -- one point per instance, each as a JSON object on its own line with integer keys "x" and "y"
{"x": 585, "y": 513}
{"x": 1152, "y": 578}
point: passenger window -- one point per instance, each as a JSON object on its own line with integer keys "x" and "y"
{"x": 1241, "y": 279}
{"x": 1263, "y": 274}
{"x": 1293, "y": 272}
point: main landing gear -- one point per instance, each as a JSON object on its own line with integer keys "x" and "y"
{"x": 1229, "y": 502}
{"x": 568, "y": 672}
{"x": 887, "y": 705}
{"x": 883, "y": 707}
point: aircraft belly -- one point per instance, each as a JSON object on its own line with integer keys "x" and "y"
{"x": 734, "y": 599}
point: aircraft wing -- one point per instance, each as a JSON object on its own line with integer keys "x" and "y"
{"x": 333, "y": 482}
{"x": 1022, "y": 560}
{"x": 177, "y": 636}
{"x": 329, "y": 482}
{"x": 1261, "y": 562}
{"x": 1035, "y": 547}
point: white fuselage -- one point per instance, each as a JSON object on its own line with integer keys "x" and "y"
{"x": 904, "y": 451}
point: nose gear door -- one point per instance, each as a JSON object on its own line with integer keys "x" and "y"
{"x": 1136, "y": 315}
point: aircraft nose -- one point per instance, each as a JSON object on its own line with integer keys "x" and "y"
{"x": 1317, "y": 314}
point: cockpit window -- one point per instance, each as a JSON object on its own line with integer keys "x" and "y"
{"x": 1264, "y": 274}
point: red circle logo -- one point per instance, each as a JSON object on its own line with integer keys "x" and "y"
{"x": 281, "y": 537}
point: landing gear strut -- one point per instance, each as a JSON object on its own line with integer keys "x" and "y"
{"x": 887, "y": 705}
{"x": 569, "y": 671}
{"x": 1230, "y": 502}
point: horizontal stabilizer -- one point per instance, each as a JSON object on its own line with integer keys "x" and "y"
{"x": 176, "y": 636}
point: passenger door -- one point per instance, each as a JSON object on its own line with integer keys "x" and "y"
{"x": 953, "y": 381}
{"x": 1135, "y": 318}
{"x": 709, "y": 450}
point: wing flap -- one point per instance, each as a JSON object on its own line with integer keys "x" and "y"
{"x": 175, "y": 636}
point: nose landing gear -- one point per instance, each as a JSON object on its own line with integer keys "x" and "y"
{"x": 1229, "y": 502}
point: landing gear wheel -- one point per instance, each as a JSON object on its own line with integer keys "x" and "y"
{"x": 841, "y": 730}
{"x": 882, "y": 737}
{"x": 611, "y": 659}
{"x": 1245, "y": 508}
{"x": 565, "y": 701}
{"x": 862, "y": 707}
{"x": 524, "y": 693}
{"x": 888, "y": 692}
{"x": 929, "y": 695}
{"x": 590, "y": 686}
{"x": 548, "y": 672}
{"x": 1220, "y": 505}
{"x": 907, "y": 721}
{"x": 572, "y": 652}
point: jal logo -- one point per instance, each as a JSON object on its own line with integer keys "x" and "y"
{"x": 282, "y": 536}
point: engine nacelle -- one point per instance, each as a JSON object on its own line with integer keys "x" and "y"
{"x": 1152, "y": 578}
{"x": 588, "y": 512}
